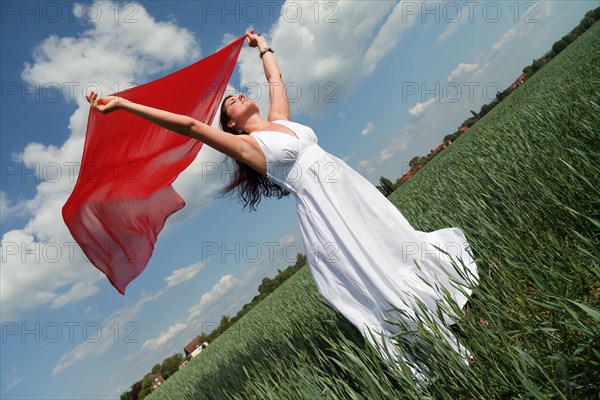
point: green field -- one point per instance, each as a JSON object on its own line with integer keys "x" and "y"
{"x": 524, "y": 186}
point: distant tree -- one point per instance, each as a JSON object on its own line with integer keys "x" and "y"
{"x": 485, "y": 109}
{"x": 203, "y": 337}
{"x": 170, "y": 365}
{"x": 386, "y": 186}
{"x": 578, "y": 30}
{"x": 146, "y": 382}
{"x": 536, "y": 65}
{"x": 559, "y": 46}
{"x": 300, "y": 260}
{"x": 474, "y": 114}
{"x": 126, "y": 396}
{"x": 586, "y": 22}
{"x": 224, "y": 320}
{"x": 590, "y": 13}
{"x": 136, "y": 388}
{"x": 469, "y": 122}
{"x": 156, "y": 369}
{"x": 266, "y": 286}
{"x": 570, "y": 38}
{"x": 413, "y": 161}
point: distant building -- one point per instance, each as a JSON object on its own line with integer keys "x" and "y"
{"x": 158, "y": 380}
{"x": 194, "y": 347}
{"x": 463, "y": 129}
{"x": 518, "y": 82}
{"x": 441, "y": 147}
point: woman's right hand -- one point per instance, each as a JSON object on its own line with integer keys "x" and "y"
{"x": 104, "y": 104}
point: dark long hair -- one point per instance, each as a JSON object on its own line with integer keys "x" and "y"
{"x": 250, "y": 184}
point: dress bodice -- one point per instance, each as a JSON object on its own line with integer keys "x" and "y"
{"x": 283, "y": 153}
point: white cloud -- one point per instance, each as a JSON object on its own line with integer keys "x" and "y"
{"x": 287, "y": 239}
{"x": 423, "y": 122}
{"x": 508, "y": 35}
{"x": 225, "y": 284}
{"x": 127, "y": 313}
{"x": 8, "y": 209}
{"x": 11, "y": 379}
{"x": 462, "y": 67}
{"x": 111, "y": 55}
{"x": 366, "y": 166}
{"x": 454, "y": 21}
{"x": 78, "y": 291}
{"x": 111, "y": 52}
{"x": 477, "y": 74}
{"x": 227, "y": 38}
{"x": 420, "y": 108}
{"x": 164, "y": 337}
{"x": 397, "y": 22}
{"x": 528, "y": 18}
{"x": 368, "y": 129}
{"x": 14, "y": 381}
{"x": 182, "y": 275}
{"x": 190, "y": 325}
{"x": 398, "y": 145}
{"x": 93, "y": 348}
{"x": 320, "y": 61}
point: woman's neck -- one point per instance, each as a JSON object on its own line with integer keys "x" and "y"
{"x": 255, "y": 123}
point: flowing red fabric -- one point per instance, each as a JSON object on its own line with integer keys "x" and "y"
{"x": 123, "y": 194}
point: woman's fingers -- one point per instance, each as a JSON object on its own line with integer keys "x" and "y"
{"x": 252, "y": 37}
{"x": 92, "y": 99}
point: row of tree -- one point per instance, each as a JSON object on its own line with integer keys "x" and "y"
{"x": 387, "y": 187}
{"x": 170, "y": 365}
{"x": 142, "y": 388}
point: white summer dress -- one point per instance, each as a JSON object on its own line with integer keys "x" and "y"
{"x": 361, "y": 251}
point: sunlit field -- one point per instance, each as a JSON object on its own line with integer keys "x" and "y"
{"x": 524, "y": 186}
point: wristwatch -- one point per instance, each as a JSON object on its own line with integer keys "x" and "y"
{"x": 262, "y": 52}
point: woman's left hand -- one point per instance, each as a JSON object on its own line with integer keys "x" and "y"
{"x": 254, "y": 39}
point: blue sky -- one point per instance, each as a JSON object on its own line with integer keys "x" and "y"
{"x": 379, "y": 82}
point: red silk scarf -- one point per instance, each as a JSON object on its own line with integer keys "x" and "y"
{"x": 123, "y": 194}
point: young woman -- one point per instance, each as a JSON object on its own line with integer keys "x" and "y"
{"x": 364, "y": 256}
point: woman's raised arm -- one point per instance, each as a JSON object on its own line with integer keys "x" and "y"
{"x": 280, "y": 106}
{"x": 234, "y": 146}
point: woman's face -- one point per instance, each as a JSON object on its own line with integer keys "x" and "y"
{"x": 239, "y": 108}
